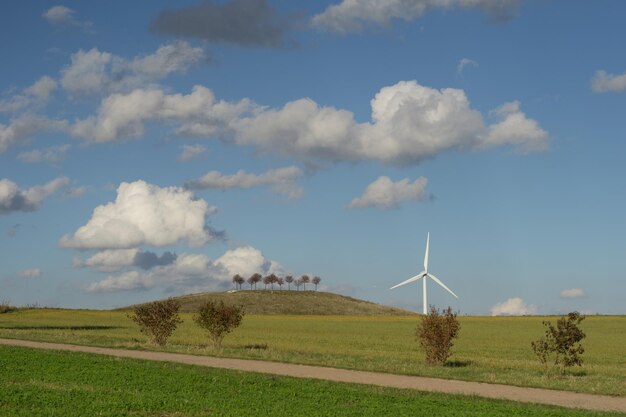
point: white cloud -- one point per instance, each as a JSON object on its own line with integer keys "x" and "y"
{"x": 514, "y": 129}
{"x": 410, "y": 123}
{"x": 191, "y": 272}
{"x": 573, "y": 293}
{"x": 12, "y": 198}
{"x": 144, "y": 214}
{"x": 108, "y": 260}
{"x": 351, "y": 15}
{"x": 246, "y": 261}
{"x": 34, "y": 95}
{"x": 30, "y": 273}
{"x": 464, "y": 63}
{"x": 192, "y": 152}
{"x": 604, "y": 82}
{"x": 384, "y": 193}
{"x": 96, "y": 72}
{"x": 123, "y": 115}
{"x": 280, "y": 180}
{"x": 64, "y": 16}
{"x": 53, "y": 154}
{"x": 513, "y": 307}
{"x": 131, "y": 280}
{"x": 21, "y": 128}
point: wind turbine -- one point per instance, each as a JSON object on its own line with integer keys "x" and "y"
{"x": 425, "y": 274}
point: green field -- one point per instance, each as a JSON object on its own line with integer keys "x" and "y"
{"x": 53, "y": 383}
{"x": 490, "y": 349}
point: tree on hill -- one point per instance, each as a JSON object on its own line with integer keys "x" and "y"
{"x": 289, "y": 280}
{"x": 238, "y": 280}
{"x": 305, "y": 280}
{"x": 298, "y": 282}
{"x": 266, "y": 280}
{"x": 251, "y": 281}
{"x": 273, "y": 280}
{"x": 256, "y": 278}
{"x": 218, "y": 319}
{"x": 316, "y": 280}
{"x": 280, "y": 282}
{"x": 157, "y": 319}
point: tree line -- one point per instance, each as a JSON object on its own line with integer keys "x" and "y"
{"x": 272, "y": 279}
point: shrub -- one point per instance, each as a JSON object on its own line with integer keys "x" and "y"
{"x": 218, "y": 319}
{"x": 560, "y": 345}
{"x": 157, "y": 319}
{"x": 436, "y": 333}
{"x": 6, "y": 307}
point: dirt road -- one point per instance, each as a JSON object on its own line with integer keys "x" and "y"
{"x": 506, "y": 392}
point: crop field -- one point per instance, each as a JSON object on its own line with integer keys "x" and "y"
{"x": 53, "y": 383}
{"x": 490, "y": 349}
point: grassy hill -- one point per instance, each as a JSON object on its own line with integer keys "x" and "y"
{"x": 292, "y": 302}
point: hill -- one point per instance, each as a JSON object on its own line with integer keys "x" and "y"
{"x": 278, "y": 302}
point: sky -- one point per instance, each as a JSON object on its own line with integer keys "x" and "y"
{"x": 150, "y": 149}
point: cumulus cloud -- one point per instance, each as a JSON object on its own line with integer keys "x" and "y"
{"x": 352, "y": 15}
{"x": 192, "y": 152}
{"x": 604, "y": 82}
{"x": 248, "y": 23}
{"x": 53, "y": 154}
{"x": 573, "y": 293}
{"x": 30, "y": 273}
{"x": 108, "y": 260}
{"x": 386, "y": 194}
{"x": 514, "y": 129}
{"x": 280, "y": 180}
{"x": 246, "y": 261}
{"x": 410, "y": 123}
{"x": 20, "y": 129}
{"x": 144, "y": 214}
{"x": 464, "y": 63}
{"x": 123, "y": 115}
{"x": 34, "y": 95}
{"x": 94, "y": 71}
{"x": 64, "y": 16}
{"x": 12, "y": 198}
{"x": 191, "y": 272}
{"x": 513, "y": 307}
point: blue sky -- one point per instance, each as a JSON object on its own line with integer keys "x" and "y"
{"x": 149, "y": 151}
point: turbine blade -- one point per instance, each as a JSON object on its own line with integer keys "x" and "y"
{"x": 415, "y": 278}
{"x": 442, "y": 284}
{"x": 426, "y": 255}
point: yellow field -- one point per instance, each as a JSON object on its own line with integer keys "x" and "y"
{"x": 490, "y": 349}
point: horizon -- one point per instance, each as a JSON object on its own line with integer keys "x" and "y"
{"x": 151, "y": 150}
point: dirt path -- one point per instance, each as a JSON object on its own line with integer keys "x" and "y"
{"x": 531, "y": 395}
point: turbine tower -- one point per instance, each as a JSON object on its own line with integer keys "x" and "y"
{"x": 425, "y": 274}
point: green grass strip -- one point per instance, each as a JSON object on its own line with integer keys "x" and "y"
{"x": 53, "y": 383}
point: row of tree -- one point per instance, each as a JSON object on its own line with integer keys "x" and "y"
{"x": 272, "y": 279}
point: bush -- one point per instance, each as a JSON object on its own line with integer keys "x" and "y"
{"x": 6, "y": 307}
{"x": 157, "y": 319}
{"x": 436, "y": 333}
{"x": 218, "y": 319}
{"x": 561, "y": 344}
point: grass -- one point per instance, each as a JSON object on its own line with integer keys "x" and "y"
{"x": 490, "y": 349}
{"x": 292, "y": 303}
{"x": 53, "y": 383}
